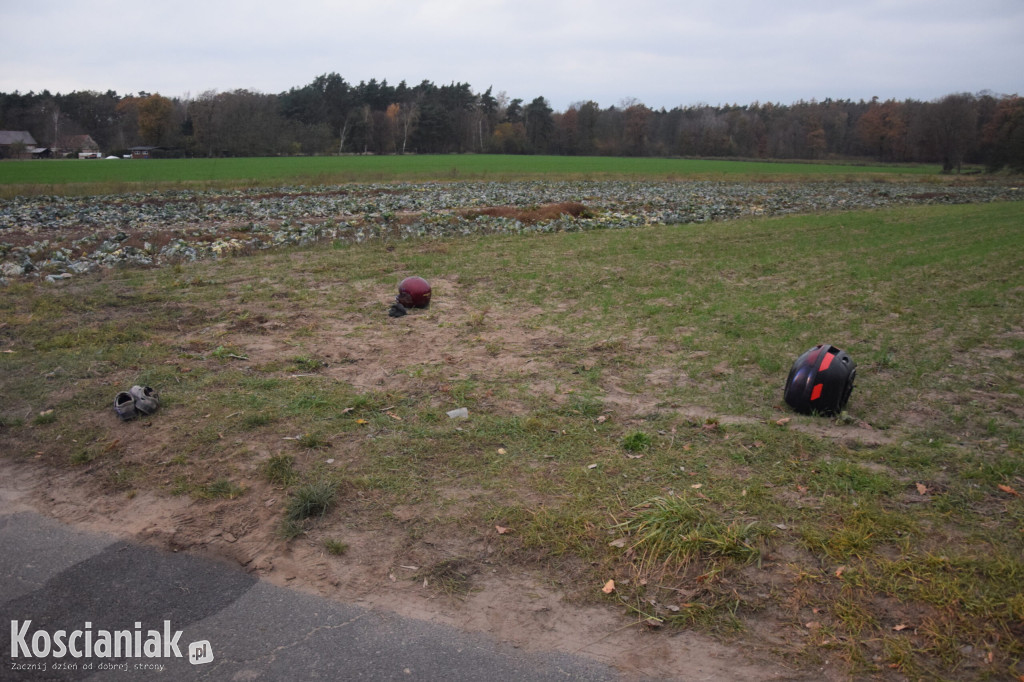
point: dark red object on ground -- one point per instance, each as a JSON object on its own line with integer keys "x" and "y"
{"x": 414, "y": 292}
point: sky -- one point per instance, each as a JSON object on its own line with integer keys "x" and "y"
{"x": 662, "y": 53}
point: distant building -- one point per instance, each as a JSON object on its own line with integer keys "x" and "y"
{"x": 19, "y": 144}
{"x": 82, "y": 145}
{"x": 144, "y": 152}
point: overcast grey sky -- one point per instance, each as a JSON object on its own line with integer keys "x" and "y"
{"x": 664, "y": 53}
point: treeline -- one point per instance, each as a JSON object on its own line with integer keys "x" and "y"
{"x": 331, "y": 116}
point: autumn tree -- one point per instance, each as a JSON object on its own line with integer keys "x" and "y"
{"x": 508, "y": 138}
{"x": 401, "y": 118}
{"x": 156, "y": 120}
{"x": 883, "y": 130}
{"x": 636, "y": 118}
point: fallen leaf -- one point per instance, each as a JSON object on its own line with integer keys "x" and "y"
{"x": 501, "y": 530}
{"x": 592, "y": 466}
{"x": 901, "y": 626}
{"x": 347, "y": 410}
{"x": 840, "y": 571}
{"x": 783, "y": 421}
{"x": 393, "y": 416}
{"x": 697, "y": 485}
{"x": 813, "y": 625}
{"x": 1008, "y": 489}
{"x": 620, "y": 543}
{"x": 502, "y": 451}
{"x": 609, "y": 587}
{"x": 362, "y": 421}
{"x": 922, "y": 489}
{"x": 602, "y": 419}
{"x": 629, "y": 456}
{"x": 653, "y": 623}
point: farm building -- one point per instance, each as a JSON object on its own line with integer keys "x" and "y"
{"x": 19, "y": 144}
{"x": 82, "y": 145}
{"x": 145, "y": 152}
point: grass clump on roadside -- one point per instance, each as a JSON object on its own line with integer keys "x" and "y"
{"x": 221, "y": 488}
{"x": 308, "y": 501}
{"x": 668, "y": 533}
{"x": 335, "y": 547}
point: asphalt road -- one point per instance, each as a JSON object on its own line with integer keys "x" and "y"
{"x": 88, "y": 584}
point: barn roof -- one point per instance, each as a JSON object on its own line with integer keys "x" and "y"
{"x": 15, "y": 136}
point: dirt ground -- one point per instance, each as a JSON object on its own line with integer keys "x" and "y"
{"x": 381, "y": 569}
{"x": 511, "y": 606}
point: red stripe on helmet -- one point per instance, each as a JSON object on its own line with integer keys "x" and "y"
{"x": 816, "y": 392}
{"x": 826, "y": 362}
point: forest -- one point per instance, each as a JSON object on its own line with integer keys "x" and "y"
{"x": 332, "y": 116}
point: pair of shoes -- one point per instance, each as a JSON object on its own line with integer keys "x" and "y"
{"x": 138, "y": 400}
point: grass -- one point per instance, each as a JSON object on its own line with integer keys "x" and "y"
{"x": 311, "y": 500}
{"x": 637, "y": 441}
{"x": 77, "y": 176}
{"x": 626, "y": 417}
{"x": 335, "y": 547}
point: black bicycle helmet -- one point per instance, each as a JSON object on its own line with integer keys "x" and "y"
{"x": 820, "y": 381}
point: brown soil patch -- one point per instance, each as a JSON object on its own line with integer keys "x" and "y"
{"x": 531, "y": 215}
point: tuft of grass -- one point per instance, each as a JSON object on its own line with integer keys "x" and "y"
{"x": 257, "y": 419}
{"x": 313, "y": 441}
{"x": 228, "y": 353}
{"x": 637, "y": 441}
{"x": 221, "y": 488}
{"x": 304, "y": 363}
{"x": 44, "y": 417}
{"x": 674, "y": 531}
{"x": 280, "y": 470}
{"x": 335, "y": 547}
{"x": 311, "y": 499}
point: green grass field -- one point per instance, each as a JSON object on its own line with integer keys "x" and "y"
{"x": 120, "y": 175}
{"x": 626, "y": 422}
